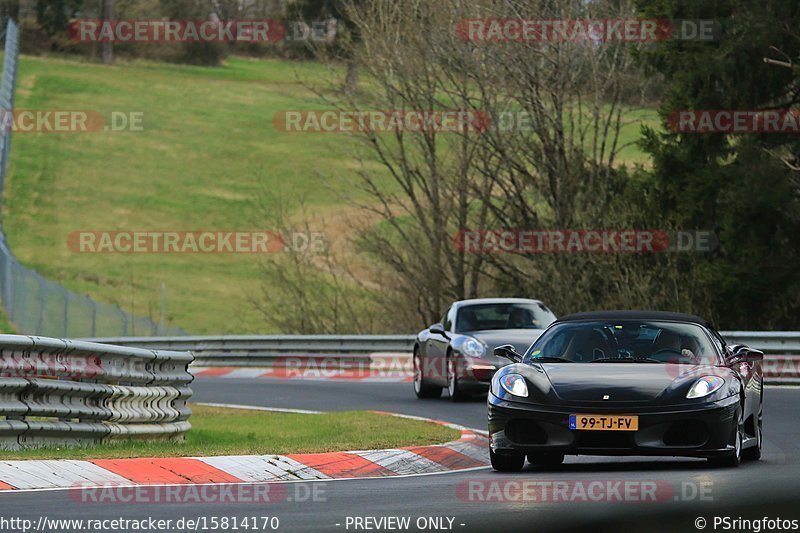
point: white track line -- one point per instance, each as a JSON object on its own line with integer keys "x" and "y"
{"x": 258, "y": 408}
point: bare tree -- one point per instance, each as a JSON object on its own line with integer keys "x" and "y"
{"x": 433, "y": 191}
{"x": 547, "y": 160}
{"x": 107, "y": 45}
{"x": 553, "y": 160}
{"x": 306, "y": 288}
{"x": 543, "y": 153}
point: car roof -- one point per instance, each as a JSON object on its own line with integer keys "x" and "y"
{"x": 477, "y": 301}
{"x": 637, "y": 315}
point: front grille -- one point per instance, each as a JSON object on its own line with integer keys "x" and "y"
{"x": 520, "y": 431}
{"x": 686, "y": 433}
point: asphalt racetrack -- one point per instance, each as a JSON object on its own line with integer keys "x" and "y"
{"x": 691, "y": 495}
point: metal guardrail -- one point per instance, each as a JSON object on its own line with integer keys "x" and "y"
{"x": 76, "y": 393}
{"x": 778, "y": 342}
{"x": 225, "y": 346}
{"x": 782, "y": 364}
{"x": 272, "y": 350}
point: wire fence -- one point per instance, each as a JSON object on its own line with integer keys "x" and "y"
{"x": 35, "y": 305}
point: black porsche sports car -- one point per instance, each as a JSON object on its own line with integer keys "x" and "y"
{"x": 457, "y": 353}
{"x": 626, "y": 383}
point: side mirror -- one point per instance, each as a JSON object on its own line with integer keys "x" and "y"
{"x": 438, "y": 329}
{"x": 508, "y": 351}
{"x": 754, "y": 355}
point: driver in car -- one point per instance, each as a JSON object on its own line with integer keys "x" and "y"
{"x": 686, "y": 346}
{"x": 520, "y": 318}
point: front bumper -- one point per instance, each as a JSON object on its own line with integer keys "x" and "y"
{"x": 685, "y": 430}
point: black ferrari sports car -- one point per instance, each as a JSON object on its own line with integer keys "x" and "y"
{"x": 626, "y": 383}
{"x": 457, "y": 353}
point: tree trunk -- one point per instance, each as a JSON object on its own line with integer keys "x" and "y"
{"x": 108, "y": 46}
{"x": 351, "y": 79}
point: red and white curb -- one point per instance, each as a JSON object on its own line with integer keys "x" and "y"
{"x": 470, "y": 451}
{"x": 308, "y": 374}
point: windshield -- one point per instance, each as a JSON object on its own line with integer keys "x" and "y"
{"x": 518, "y": 315}
{"x": 625, "y": 341}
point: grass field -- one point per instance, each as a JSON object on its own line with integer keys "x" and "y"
{"x": 223, "y": 431}
{"x": 206, "y": 156}
{"x": 207, "y": 153}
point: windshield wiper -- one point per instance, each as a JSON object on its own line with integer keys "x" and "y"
{"x": 550, "y": 359}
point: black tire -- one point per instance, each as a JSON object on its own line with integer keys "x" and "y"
{"x": 506, "y": 463}
{"x": 422, "y": 389}
{"x": 734, "y": 458}
{"x": 457, "y": 394}
{"x": 546, "y": 458}
{"x": 754, "y": 453}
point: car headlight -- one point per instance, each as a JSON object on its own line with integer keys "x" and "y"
{"x": 705, "y": 386}
{"x": 473, "y": 348}
{"x": 514, "y": 384}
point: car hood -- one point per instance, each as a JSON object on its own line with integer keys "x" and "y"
{"x": 621, "y": 382}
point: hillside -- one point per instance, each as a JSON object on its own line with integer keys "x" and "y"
{"x": 207, "y": 158}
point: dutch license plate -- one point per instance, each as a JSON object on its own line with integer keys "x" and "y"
{"x": 604, "y": 422}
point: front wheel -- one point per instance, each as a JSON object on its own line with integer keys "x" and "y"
{"x": 422, "y": 389}
{"x": 453, "y": 387}
{"x": 754, "y": 453}
{"x": 734, "y": 457}
{"x": 506, "y": 463}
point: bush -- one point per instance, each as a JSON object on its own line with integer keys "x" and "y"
{"x": 205, "y": 54}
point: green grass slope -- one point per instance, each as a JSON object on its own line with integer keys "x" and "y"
{"x": 207, "y": 151}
